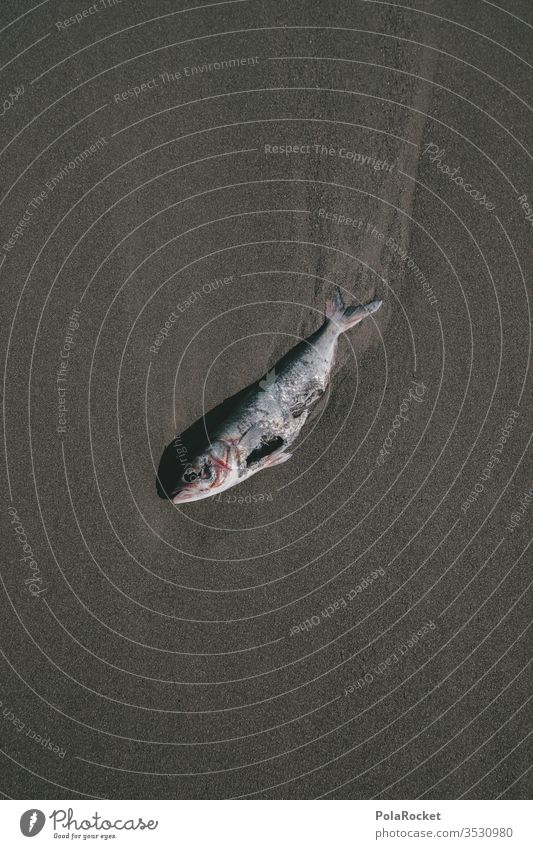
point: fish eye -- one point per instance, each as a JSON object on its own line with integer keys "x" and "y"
{"x": 190, "y": 475}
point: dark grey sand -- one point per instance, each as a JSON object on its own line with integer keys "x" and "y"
{"x": 161, "y": 651}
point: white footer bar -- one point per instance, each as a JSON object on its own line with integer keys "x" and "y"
{"x": 273, "y": 824}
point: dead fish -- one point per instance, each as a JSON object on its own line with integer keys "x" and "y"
{"x": 260, "y": 429}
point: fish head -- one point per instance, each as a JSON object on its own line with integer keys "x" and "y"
{"x": 212, "y": 471}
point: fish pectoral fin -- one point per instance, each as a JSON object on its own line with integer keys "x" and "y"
{"x": 276, "y": 459}
{"x": 250, "y": 440}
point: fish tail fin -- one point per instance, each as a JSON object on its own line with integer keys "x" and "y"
{"x": 345, "y": 317}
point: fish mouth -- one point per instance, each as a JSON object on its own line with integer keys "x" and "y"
{"x": 220, "y": 482}
{"x": 184, "y": 495}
